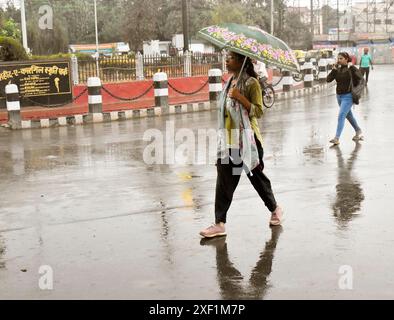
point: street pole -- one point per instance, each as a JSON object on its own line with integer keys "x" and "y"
{"x": 312, "y": 20}
{"x": 97, "y": 43}
{"x": 272, "y": 17}
{"x": 185, "y": 20}
{"x": 24, "y": 29}
{"x": 367, "y": 17}
{"x": 388, "y": 6}
{"x": 338, "y": 24}
{"x": 374, "y": 17}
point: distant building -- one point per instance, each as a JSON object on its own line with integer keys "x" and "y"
{"x": 374, "y": 16}
{"x": 364, "y": 23}
{"x": 156, "y": 47}
{"x": 195, "y": 45}
{"x": 177, "y": 41}
{"x": 175, "y": 47}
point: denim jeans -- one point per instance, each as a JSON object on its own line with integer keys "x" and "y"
{"x": 345, "y": 102}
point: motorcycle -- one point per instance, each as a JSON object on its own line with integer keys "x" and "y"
{"x": 268, "y": 92}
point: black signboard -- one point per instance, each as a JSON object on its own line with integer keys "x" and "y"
{"x": 40, "y": 82}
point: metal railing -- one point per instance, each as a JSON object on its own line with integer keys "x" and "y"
{"x": 129, "y": 68}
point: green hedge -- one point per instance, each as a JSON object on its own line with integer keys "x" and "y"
{"x": 11, "y": 50}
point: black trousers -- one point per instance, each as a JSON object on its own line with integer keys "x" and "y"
{"x": 229, "y": 172}
{"x": 366, "y": 72}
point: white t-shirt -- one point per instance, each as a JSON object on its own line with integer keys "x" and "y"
{"x": 259, "y": 68}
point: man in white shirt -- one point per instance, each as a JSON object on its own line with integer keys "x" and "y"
{"x": 259, "y": 68}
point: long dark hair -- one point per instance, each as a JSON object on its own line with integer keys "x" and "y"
{"x": 345, "y": 55}
{"x": 249, "y": 67}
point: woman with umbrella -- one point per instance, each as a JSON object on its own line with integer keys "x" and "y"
{"x": 240, "y": 143}
{"x": 345, "y": 76}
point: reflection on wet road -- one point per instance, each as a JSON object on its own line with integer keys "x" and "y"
{"x": 349, "y": 191}
{"x": 230, "y": 280}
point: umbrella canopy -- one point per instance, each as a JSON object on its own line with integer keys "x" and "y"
{"x": 251, "y": 42}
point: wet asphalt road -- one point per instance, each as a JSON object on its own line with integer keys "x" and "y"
{"x": 82, "y": 201}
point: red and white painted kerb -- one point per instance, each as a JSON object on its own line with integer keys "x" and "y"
{"x": 161, "y": 104}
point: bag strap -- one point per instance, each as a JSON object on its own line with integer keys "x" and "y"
{"x": 351, "y": 80}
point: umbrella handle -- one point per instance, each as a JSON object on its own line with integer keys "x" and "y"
{"x": 242, "y": 69}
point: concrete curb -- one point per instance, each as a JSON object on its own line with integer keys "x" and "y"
{"x": 150, "y": 112}
{"x": 303, "y": 92}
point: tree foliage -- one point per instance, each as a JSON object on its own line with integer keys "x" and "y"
{"x": 8, "y": 26}
{"x": 10, "y": 29}
{"x": 11, "y": 50}
{"x": 135, "y": 21}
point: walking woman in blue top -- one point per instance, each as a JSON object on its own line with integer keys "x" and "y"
{"x": 341, "y": 72}
{"x": 365, "y": 62}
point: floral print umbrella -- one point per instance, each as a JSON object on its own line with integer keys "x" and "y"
{"x": 251, "y": 42}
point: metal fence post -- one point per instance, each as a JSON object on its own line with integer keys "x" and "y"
{"x": 302, "y": 68}
{"x": 308, "y": 78}
{"x": 330, "y": 61}
{"x": 323, "y": 69}
{"x": 314, "y": 63}
{"x": 74, "y": 68}
{"x": 187, "y": 64}
{"x": 160, "y": 84}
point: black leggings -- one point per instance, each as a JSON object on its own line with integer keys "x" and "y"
{"x": 229, "y": 173}
{"x": 366, "y": 72}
